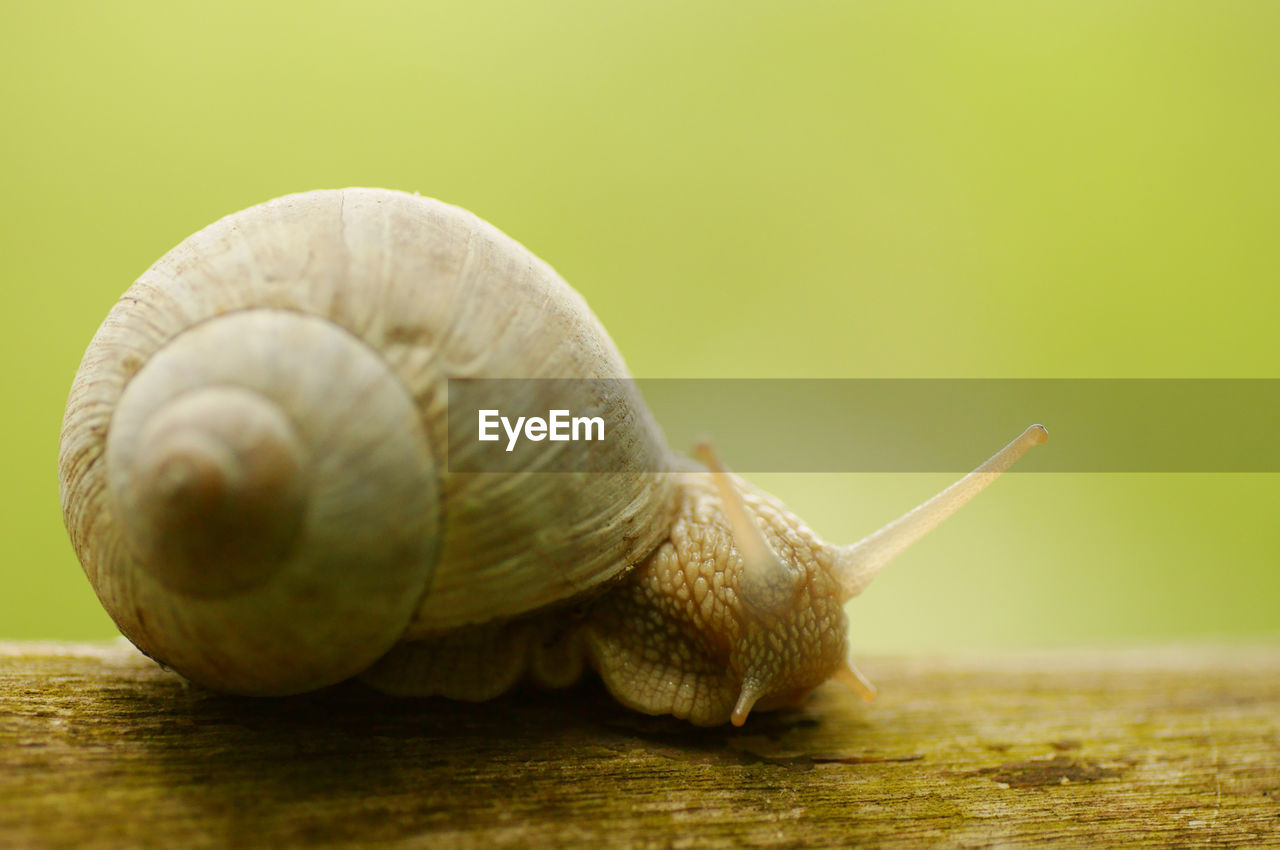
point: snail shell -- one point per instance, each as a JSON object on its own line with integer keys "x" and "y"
{"x": 253, "y": 464}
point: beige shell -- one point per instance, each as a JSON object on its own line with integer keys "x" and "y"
{"x": 253, "y": 466}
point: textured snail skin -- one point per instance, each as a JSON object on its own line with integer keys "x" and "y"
{"x": 253, "y": 473}
{"x": 674, "y": 636}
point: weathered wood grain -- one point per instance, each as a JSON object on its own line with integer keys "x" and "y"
{"x": 1167, "y": 747}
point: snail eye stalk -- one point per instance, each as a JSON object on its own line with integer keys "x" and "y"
{"x": 858, "y": 564}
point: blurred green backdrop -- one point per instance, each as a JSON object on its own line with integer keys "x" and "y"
{"x": 842, "y": 189}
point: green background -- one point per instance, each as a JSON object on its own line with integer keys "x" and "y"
{"x": 844, "y": 189}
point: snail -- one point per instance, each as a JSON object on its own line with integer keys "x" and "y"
{"x": 253, "y": 475}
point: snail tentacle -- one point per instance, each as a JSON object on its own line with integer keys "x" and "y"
{"x": 858, "y": 564}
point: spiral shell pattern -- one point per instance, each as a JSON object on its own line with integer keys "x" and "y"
{"x": 253, "y": 466}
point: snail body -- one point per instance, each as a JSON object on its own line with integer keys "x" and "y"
{"x": 254, "y": 476}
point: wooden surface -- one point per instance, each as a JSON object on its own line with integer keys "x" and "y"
{"x": 1166, "y": 748}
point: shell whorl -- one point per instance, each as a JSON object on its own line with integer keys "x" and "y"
{"x": 214, "y": 487}
{"x": 270, "y": 539}
{"x": 253, "y": 464}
